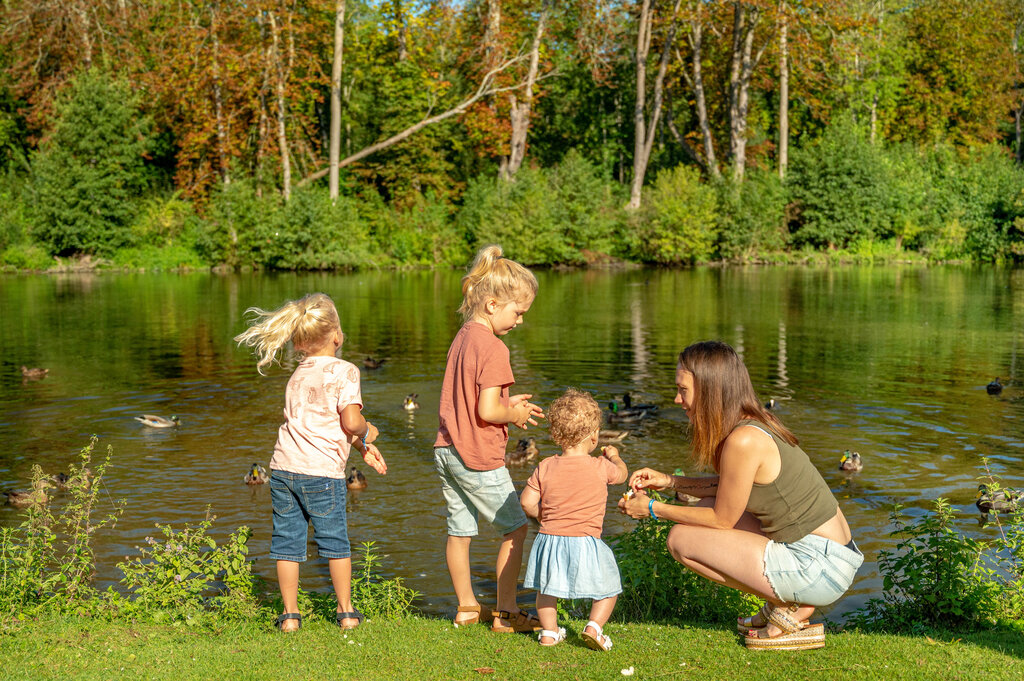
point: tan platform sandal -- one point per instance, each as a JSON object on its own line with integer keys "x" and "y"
{"x": 745, "y": 624}
{"x": 795, "y": 635}
{"x": 519, "y": 622}
{"x": 479, "y": 611}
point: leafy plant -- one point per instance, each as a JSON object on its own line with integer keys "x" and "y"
{"x": 656, "y": 587}
{"x": 677, "y": 223}
{"x": 374, "y": 595}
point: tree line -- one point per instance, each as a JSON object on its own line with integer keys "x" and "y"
{"x": 315, "y": 133}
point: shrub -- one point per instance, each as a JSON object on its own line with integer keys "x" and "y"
{"x": 752, "y": 216}
{"x": 421, "y": 233}
{"x": 656, "y": 587}
{"x": 374, "y": 595}
{"x": 677, "y": 223}
{"x": 90, "y": 172}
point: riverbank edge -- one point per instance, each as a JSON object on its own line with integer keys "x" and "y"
{"x": 429, "y": 648}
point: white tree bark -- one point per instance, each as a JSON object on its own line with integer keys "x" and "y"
{"x": 282, "y": 128}
{"x": 783, "y": 90}
{"x": 335, "y": 131}
{"x": 521, "y": 107}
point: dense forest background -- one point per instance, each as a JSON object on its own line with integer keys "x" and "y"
{"x": 161, "y": 133}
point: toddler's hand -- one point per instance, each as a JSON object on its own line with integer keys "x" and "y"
{"x": 609, "y": 451}
{"x": 371, "y": 432}
{"x": 374, "y": 460}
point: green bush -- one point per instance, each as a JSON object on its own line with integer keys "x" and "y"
{"x": 90, "y": 172}
{"x": 656, "y": 587}
{"x": 374, "y": 595}
{"x": 543, "y": 216}
{"x": 15, "y": 211}
{"x": 25, "y": 257}
{"x": 842, "y": 187}
{"x": 752, "y": 216}
{"x": 421, "y": 233}
{"x": 677, "y": 222}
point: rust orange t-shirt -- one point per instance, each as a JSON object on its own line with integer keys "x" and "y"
{"x": 477, "y": 359}
{"x": 573, "y": 494}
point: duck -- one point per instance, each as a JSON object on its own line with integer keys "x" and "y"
{"x": 996, "y": 500}
{"x": 371, "y": 363}
{"x": 37, "y": 497}
{"x": 60, "y": 480}
{"x": 33, "y": 374}
{"x": 154, "y": 421}
{"x": 993, "y": 388}
{"x": 627, "y": 402}
{"x": 355, "y": 479}
{"x": 608, "y": 437}
{"x": 850, "y": 461}
{"x": 771, "y": 404}
{"x": 617, "y": 414}
{"x": 410, "y": 403}
{"x": 525, "y": 452}
{"x": 257, "y": 475}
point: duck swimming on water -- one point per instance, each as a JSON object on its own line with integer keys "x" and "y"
{"x": 355, "y": 479}
{"x": 995, "y": 387}
{"x": 257, "y": 475}
{"x": 154, "y": 421}
{"x": 851, "y": 462}
{"x": 525, "y": 452}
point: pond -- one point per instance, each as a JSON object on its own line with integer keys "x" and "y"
{"x": 889, "y": 361}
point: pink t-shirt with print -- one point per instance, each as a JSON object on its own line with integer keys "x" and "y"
{"x": 311, "y": 440}
{"x": 573, "y": 494}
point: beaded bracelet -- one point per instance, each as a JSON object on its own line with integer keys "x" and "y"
{"x": 650, "y": 509}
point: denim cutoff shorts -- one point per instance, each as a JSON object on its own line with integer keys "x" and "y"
{"x": 470, "y": 494}
{"x": 811, "y": 571}
{"x": 299, "y": 499}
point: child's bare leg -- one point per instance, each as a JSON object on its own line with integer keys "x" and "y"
{"x": 457, "y": 556}
{"x": 288, "y": 582}
{"x": 548, "y": 614}
{"x": 510, "y": 561}
{"x": 600, "y": 611}
{"x": 341, "y": 577}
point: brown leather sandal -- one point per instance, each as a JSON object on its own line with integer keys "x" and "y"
{"x": 480, "y": 613}
{"x": 519, "y": 622}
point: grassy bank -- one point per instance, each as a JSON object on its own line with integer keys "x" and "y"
{"x": 419, "y": 648}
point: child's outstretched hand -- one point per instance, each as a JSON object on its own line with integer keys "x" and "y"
{"x": 609, "y": 451}
{"x": 526, "y": 410}
{"x": 374, "y": 459}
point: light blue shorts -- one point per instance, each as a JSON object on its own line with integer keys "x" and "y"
{"x": 572, "y": 567}
{"x": 470, "y": 494}
{"x": 811, "y": 571}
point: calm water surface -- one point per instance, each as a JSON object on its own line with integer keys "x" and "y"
{"x": 891, "y": 362}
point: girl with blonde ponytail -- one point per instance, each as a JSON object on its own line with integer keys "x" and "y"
{"x": 469, "y": 452}
{"x": 323, "y": 423}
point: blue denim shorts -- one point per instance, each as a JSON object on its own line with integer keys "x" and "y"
{"x": 300, "y": 499}
{"x": 470, "y": 494}
{"x": 811, "y": 571}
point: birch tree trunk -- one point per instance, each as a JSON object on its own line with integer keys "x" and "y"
{"x": 335, "y": 132}
{"x": 783, "y": 91}
{"x": 742, "y": 66}
{"x": 223, "y": 159}
{"x": 403, "y": 38}
{"x": 696, "y": 81}
{"x": 521, "y": 108}
{"x": 282, "y": 129}
{"x": 644, "y": 133}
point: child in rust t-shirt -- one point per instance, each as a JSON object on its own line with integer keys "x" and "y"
{"x": 469, "y": 451}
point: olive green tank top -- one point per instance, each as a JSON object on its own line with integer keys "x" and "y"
{"x": 797, "y": 501}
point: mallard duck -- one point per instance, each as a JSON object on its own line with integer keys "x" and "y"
{"x": 771, "y": 404}
{"x": 627, "y": 403}
{"x": 996, "y": 500}
{"x": 37, "y": 497}
{"x": 257, "y": 475}
{"x": 607, "y": 437}
{"x": 525, "y": 452}
{"x": 157, "y": 421}
{"x": 33, "y": 374}
{"x": 850, "y": 461}
{"x": 617, "y": 414}
{"x": 60, "y": 480}
{"x": 410, "y": 403}
{"x": 355, "y": 479}
{"x": 371, "y": 363}
{"x": 993, "y": 388}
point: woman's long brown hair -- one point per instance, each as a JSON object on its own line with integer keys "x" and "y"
{"x": 723, "y": 396}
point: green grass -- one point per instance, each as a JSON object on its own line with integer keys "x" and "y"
{"x": 420, "y": 648}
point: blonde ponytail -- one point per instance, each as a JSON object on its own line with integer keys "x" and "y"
{"x": 305, "y": 322}
{"x": 493, "y": 276}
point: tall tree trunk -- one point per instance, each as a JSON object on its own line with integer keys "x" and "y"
{"x": 336, "y": 62}
{"x": 223, "y": 158}
{"x": 880, "y": 9}
{"x": 282, "y": 129}
{"x": 492, "y": 35}
{"x": 743, "y": 63}
{"x": 1019, "y": 110}
{"x": 696, "y": 81}
{"x": 403, "y": 35}
{"x": 521, "y": 108}
{"x": 644, "y": 133}
{"x": 783, "y": 91}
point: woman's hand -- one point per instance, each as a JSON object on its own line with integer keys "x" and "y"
{"x": 648, "y": 478}
{"x": 635, "y": 506}
{"x": 374, "y": 459}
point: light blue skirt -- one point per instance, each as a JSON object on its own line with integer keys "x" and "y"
{"x": 572, "y": 567}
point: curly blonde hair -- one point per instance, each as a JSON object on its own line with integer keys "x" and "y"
{"x": 306, "y": 322}
{"x": 573, "y": 416}
{"x": 492, "y": 276}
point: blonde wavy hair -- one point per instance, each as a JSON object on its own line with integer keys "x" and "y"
{"x": 573, "y": 416}
{"x": 493, "y": 276}
{"x": 306, "y": 322}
